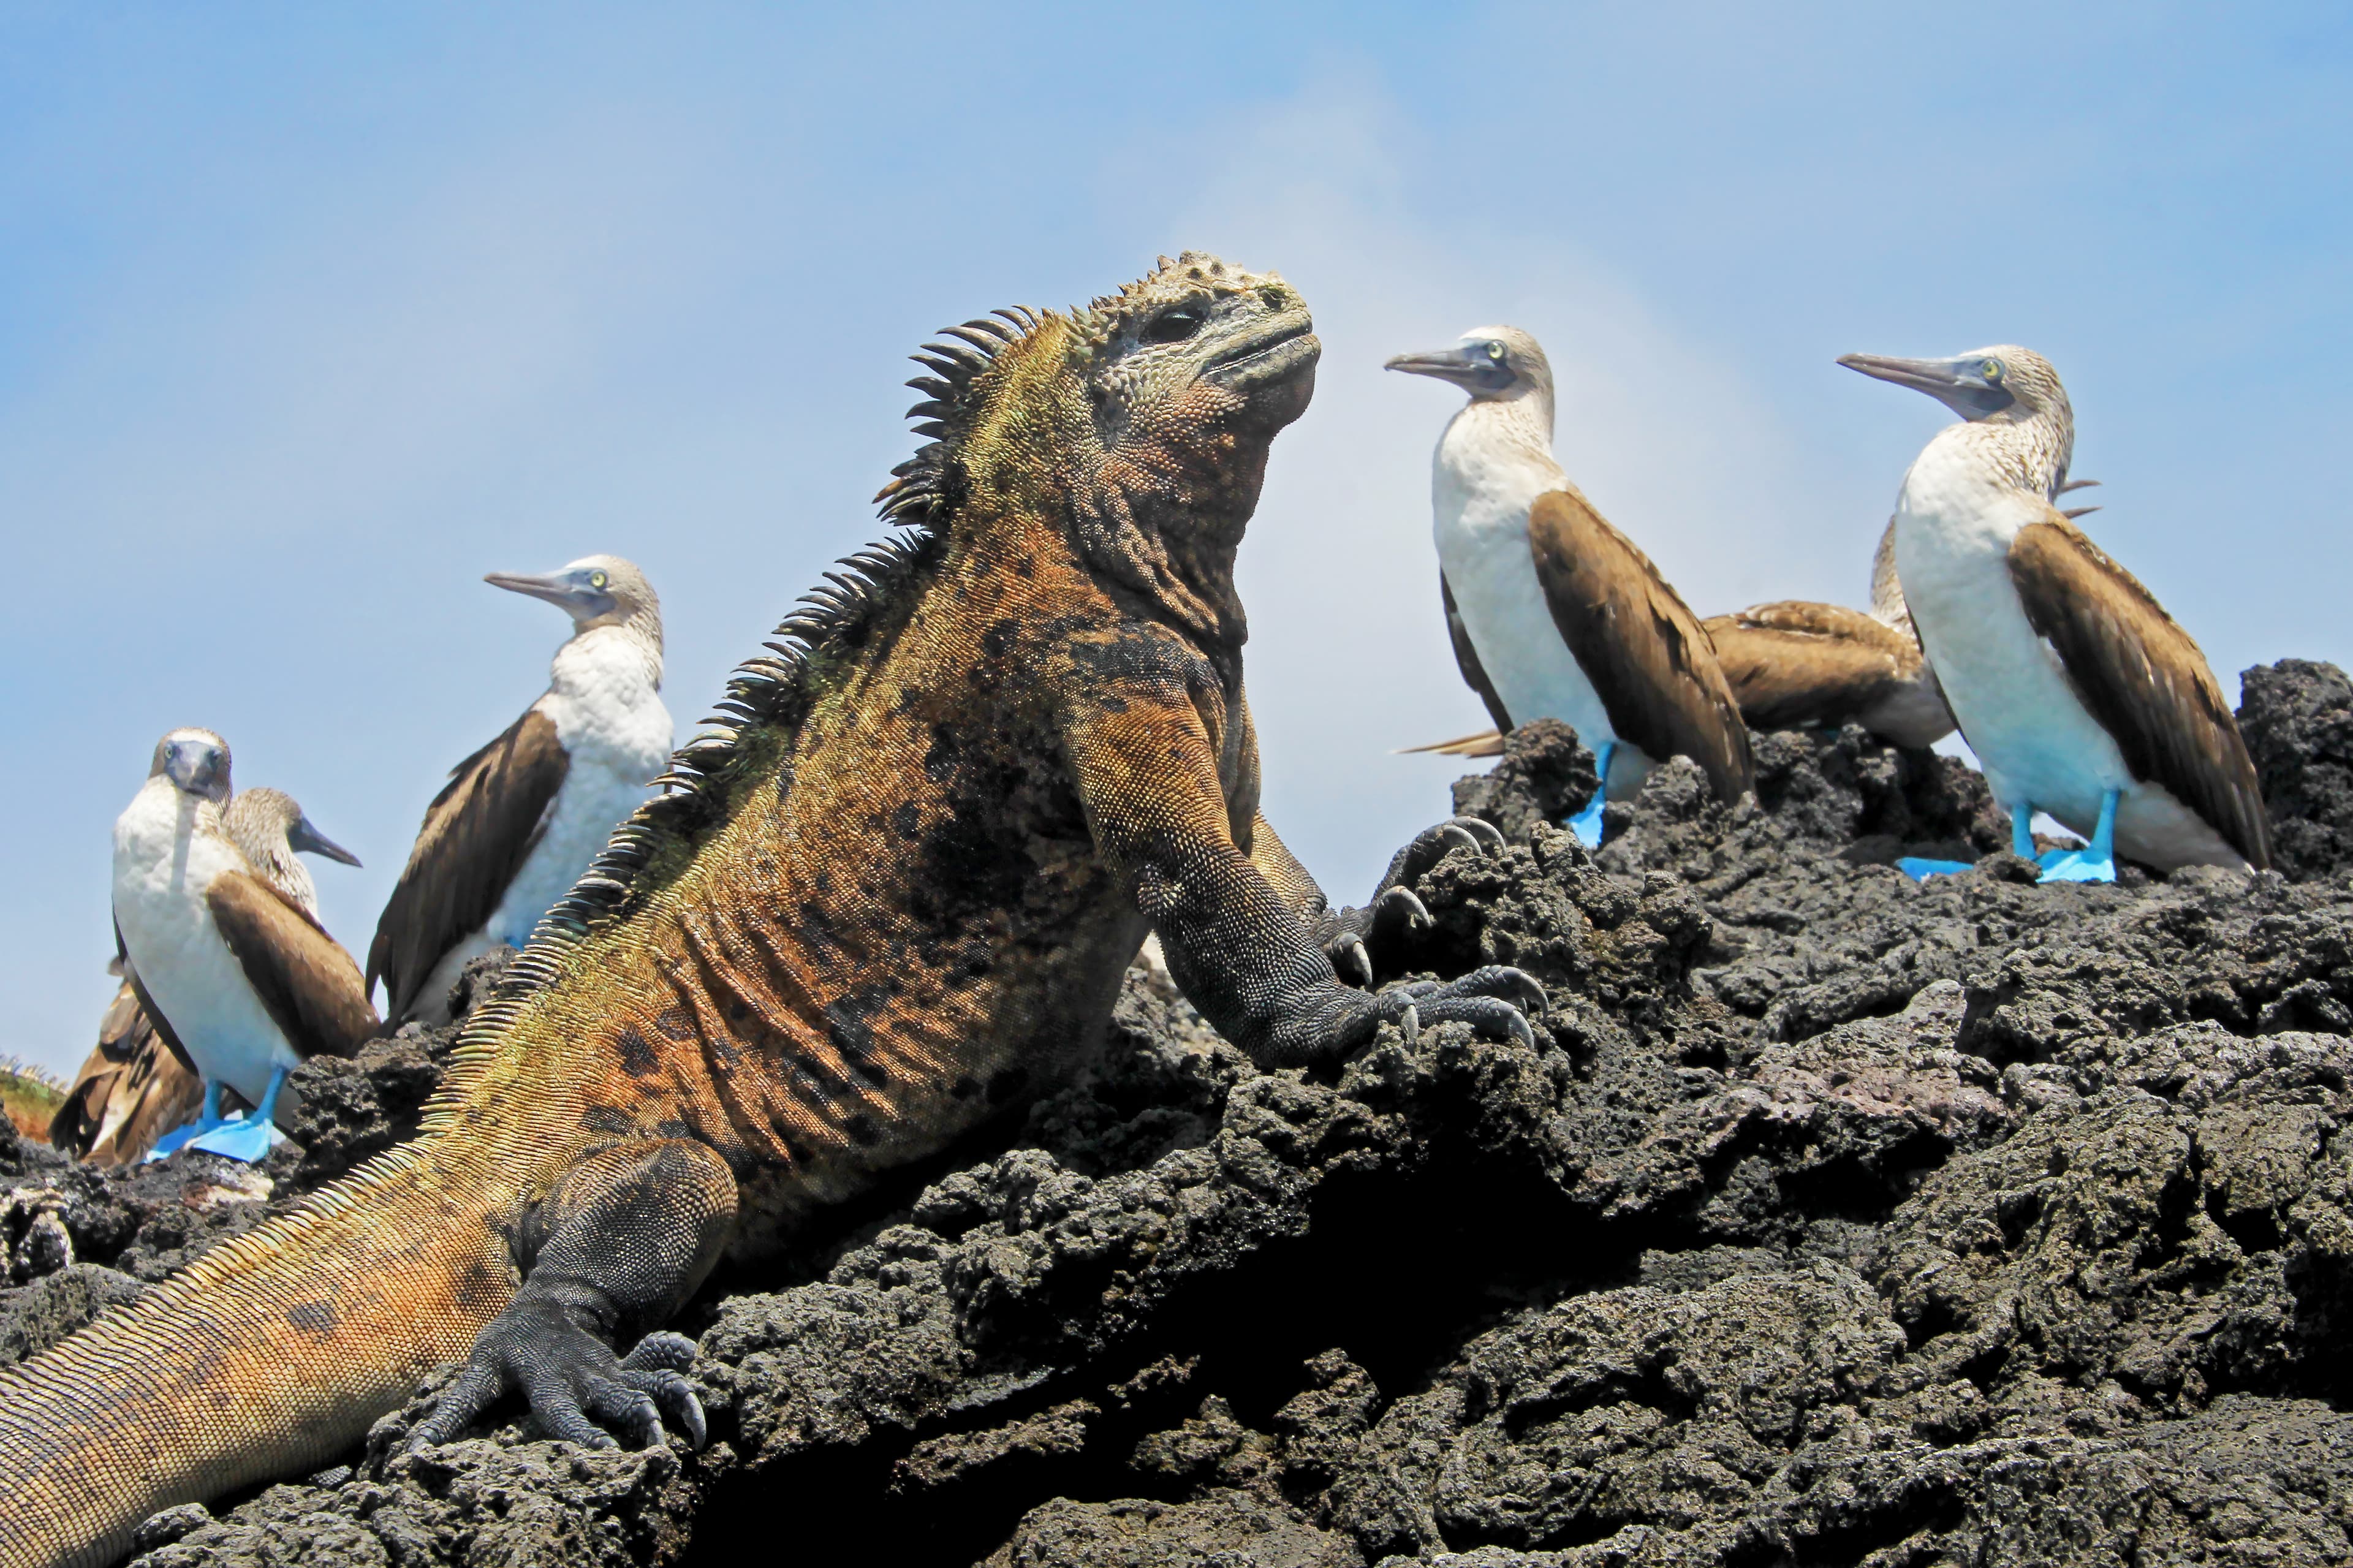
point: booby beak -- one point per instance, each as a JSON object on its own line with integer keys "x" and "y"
{"x": 1958, "y": 383}
{"x": 568, "y": 591}
{"x": 1464, "y": 369}
{"x": 308, "y": 840}
{"x": 197, "y": 767}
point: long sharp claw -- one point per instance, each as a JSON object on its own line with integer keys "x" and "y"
{"x": 1489, "y": 838}
{"x": 628, "y": 1409}
{"x": 1416, "y": 913}
{"x": 676, "y": 1397}
{"x": 1409, "y": 1025}
{"x": 1528, "y": 993}
{"x": 1350, "y": 959}
{"x": 1454, "y": 839}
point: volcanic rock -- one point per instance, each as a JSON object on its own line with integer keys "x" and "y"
{"x": 1831, "y": 1217}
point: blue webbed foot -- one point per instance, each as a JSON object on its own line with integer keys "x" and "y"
{"x": 2085, "y": 865}
{"x": 1920, "y": 869}
{"x": 185, "y": 1133}
{"x": 178, "y": 1137}
{"x": 249, "y": 1139}
{"x": 2097, "y": 861}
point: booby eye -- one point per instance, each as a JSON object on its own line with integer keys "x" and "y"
{"x": 1992, "y": 371}
{"x": 1173, "y": 326}
{"x": 1496, "y": 350}
{"x": 597, "y": 580}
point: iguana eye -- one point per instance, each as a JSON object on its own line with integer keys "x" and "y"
{"x": 1173, "y": 326}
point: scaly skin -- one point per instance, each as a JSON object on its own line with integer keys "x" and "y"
{"x": 893, "y": 901}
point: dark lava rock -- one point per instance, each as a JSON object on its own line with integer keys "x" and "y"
{"x": 2298, "y": 717}
{"x": 1831, "y": 1217}
{"x": 1546, "y": 774}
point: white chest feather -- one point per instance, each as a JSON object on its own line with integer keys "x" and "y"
{"x": 1486, "y": 475}
{"x": 2006, "y": 686}
{"x": 168, "y": 850}
{"x": 605, "y": 703}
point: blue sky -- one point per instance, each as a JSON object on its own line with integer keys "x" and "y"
{"x": 309, "y": 315}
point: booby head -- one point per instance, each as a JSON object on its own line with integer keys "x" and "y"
{"x": 274, "y": 814}
{"x": 1493, "y": 364}
{"x": 2018, "y": 422}
{"x": 2004, "y": 385}
{"x": 197, "y": 762}
{"x": 595, "y": 591}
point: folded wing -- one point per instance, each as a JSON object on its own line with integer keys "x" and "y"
{"x": 1648, "y": 656}
{"x": 2142, "y": 677}
{"x": 478, "y": 832}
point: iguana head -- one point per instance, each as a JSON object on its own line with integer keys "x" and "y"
{"x": 1142, "y": 422}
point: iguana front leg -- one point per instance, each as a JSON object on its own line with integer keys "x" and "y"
{"x": 622, "y": 1239}
{"x": 1241, "y": 953}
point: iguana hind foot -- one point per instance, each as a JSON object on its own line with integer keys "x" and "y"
{"x": 578, "y": 1392}
{"x": 629, "y": 1232}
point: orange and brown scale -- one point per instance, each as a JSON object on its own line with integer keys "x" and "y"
{"x": 892, "y": 900}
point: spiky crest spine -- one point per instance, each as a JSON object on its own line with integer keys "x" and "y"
{"x": 771, "y": 690}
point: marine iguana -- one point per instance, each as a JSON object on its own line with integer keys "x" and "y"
{"x": 890, "y": 897}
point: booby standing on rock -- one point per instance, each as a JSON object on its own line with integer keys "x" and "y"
{"x": 132, "y": 1088}
{"x": 1555, "y": 614}
{"x": 237, "y": 976}
{"x": 2079, "y": 694}
{"x": 521, "y": 819}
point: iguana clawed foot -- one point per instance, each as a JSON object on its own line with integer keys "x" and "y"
{"x": 1395, "y": 907}
{"x": 578, "y": 1391}
{"x": 1495, "y": 1001}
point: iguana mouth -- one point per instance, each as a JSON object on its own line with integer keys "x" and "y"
{"x": 1258, "y": 353}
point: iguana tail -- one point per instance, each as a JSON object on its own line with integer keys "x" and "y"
{"x": 267, "y": 1357}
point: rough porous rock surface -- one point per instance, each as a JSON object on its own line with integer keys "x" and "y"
{"x": 1831, "y": 1218}
{"x": 2298, "y": 717}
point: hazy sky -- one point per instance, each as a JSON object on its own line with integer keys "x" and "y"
{"x": 311, "y": 315}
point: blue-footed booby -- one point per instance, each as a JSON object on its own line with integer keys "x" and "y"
{"x": 132, "y": 1088}
{"x": 236, "y": 976}
{"x": 1554, "y": 613}
{"x": 521, "y": 819}
{"x": 2080, "y": 695}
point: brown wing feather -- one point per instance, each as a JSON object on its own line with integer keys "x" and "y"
{"x": 2143, "y": 678}
{"x": 308, "y": 984}
{"x": 1793, "y": 663}
{"x": 161, "y": 1026}
{"x": 1466, "y": 658}
{"x": 129, "y": 1092}
{"x": 477, "y": 834}
{"x": 1647, "y": 654}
